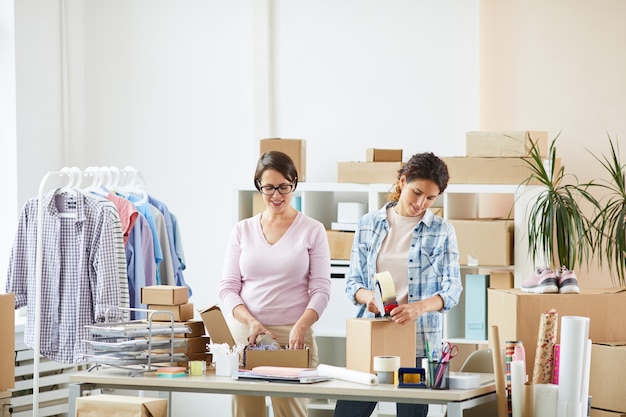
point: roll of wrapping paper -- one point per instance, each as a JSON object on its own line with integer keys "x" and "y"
{"x": 347, "y": 374}
{"x": 498, "y": 369}
{"x": 546, "y": 340}
{"x": 509, "y": 351}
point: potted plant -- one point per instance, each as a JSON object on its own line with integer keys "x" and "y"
{"x": 567, "y": 224}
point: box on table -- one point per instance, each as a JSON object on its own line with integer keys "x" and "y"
{"x": 295, "y": 148}
{"x": 182, "y": 312}
{"x": 608, "y": 367}
{"x": 366, "y": 338}
{"x": 476, "y": 306}
{"x": 340, "y": 244}
{"x": 368, "y": 172}
{"x": 107, "y": 405}
{"x": 164, "y": 295}
{"x": 219, "y": 333}
{"x": 501, "y": 279}
{"x": 465, "y": 170}
{"x": 7, "y": 347}
{"x": 517, "y": 314}
{"x": 484, "y": 241}
{"x": 505, "y": 144}
{"x": 383, "y": 155}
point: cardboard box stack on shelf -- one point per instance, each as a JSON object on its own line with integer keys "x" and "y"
{"x": 176, "y": 300}
{"x": 341, "y": 235}
{"x": 381, "y": 167}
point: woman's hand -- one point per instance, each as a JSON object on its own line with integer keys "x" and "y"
{"x": 256, "y": 329}
{"x": 405, "y": 313}
{"x": 296, "y": 337}
{"x": 366, "y": 297}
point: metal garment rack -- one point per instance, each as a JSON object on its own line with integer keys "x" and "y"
{"x": 74, "y": 174}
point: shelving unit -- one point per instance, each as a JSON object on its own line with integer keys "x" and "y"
{"x": 459, "y": 201}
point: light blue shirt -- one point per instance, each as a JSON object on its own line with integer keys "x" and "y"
{"x": 433, "y": 268}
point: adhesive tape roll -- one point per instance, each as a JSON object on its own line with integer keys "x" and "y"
{"x": 385, "y": 280}
{"x": 386, "y": 363}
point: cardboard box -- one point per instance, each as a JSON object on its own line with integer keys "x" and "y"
{"x": 368, "y": 172}
{"x": 196, "y": 327}
{"x": 7, "y": 347}
{"x": 383, "y": 155}
{"x": 505, "y": 144}
{"x": 182, "y": 312}
{"x": 295, "y": 148}
{"x": 106, "y": 405}
{"x": 501, "y": 279}
{"x": 608, "y": 367}
{"x": 366, "y": 338}
{"x": 170, "y": 295}
{"x": 517, "y": 314}
{"x": 484, "y": 241}
{"x": 220, "y": 333}
{"x": 465, "y": 170}
{"x": 340, "y": 244}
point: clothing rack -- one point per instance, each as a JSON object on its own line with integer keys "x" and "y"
{"x": 75, "y": 176}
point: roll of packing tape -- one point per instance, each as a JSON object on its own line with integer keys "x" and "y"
{"x": 386, "y": 368}
{"x": 385, "y": 281}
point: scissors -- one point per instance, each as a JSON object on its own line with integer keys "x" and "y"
{"x": 448, "y": 351}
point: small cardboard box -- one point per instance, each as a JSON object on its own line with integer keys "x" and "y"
{"x": 366, "y": 338}
{"x": 517, "y": 314}
{"x": 505, "y": 144}
{"x": 107, "y": 405}
{"x": 7, "y": 347}
{"x": 340, "y": 244}
{"x": 383, "y": 155}
{"x": 219, "y": 332}
{"x": 368, "y": 172}
{"x": 608, "y": 367}
{"x": 182, "y": 312}
{"x": 465, "y": 170}
{"x": 170, "y": 295}
{"x": 196, "y": 327}
{"x": 501, "y": 279}
{"x": 484, "y": 241}
{"x": 295, "y": 148}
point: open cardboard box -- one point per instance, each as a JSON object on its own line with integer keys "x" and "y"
{"x": 107, "y": 405}
{"x": 218, "y": 331}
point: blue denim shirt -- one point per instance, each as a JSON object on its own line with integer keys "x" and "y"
{"x": 433, "y": 268}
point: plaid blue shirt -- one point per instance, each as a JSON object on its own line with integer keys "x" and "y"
{"x": 433, "y": 268}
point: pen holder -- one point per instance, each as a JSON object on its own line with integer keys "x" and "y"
{"x": 438, "y": 375}
{"x": 225, "y": 365}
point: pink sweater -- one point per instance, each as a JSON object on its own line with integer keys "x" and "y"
{"x": 277, "y": 282}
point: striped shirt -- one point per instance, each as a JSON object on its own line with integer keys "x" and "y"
{"x": 433, "y": 268}
{"x": 79, "y": 282}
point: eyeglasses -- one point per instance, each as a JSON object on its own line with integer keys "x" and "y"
{"x": 282, "y": 189}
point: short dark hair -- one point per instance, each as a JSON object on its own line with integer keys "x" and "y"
{"x": 422, "y": 166}
{"x": 278, "y": 161}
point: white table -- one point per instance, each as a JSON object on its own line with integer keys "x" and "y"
{"x": 456, "y": 400}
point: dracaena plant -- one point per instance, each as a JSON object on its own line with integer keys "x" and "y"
{"x": 610, "y": 220}
{"x": 559, "y": 232}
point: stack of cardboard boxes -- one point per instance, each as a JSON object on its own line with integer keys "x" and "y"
{"x": 380, "y": 167}
{"x": 175, "y": 299}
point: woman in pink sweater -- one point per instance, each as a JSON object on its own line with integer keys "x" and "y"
{"x": 276, "y": 278}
